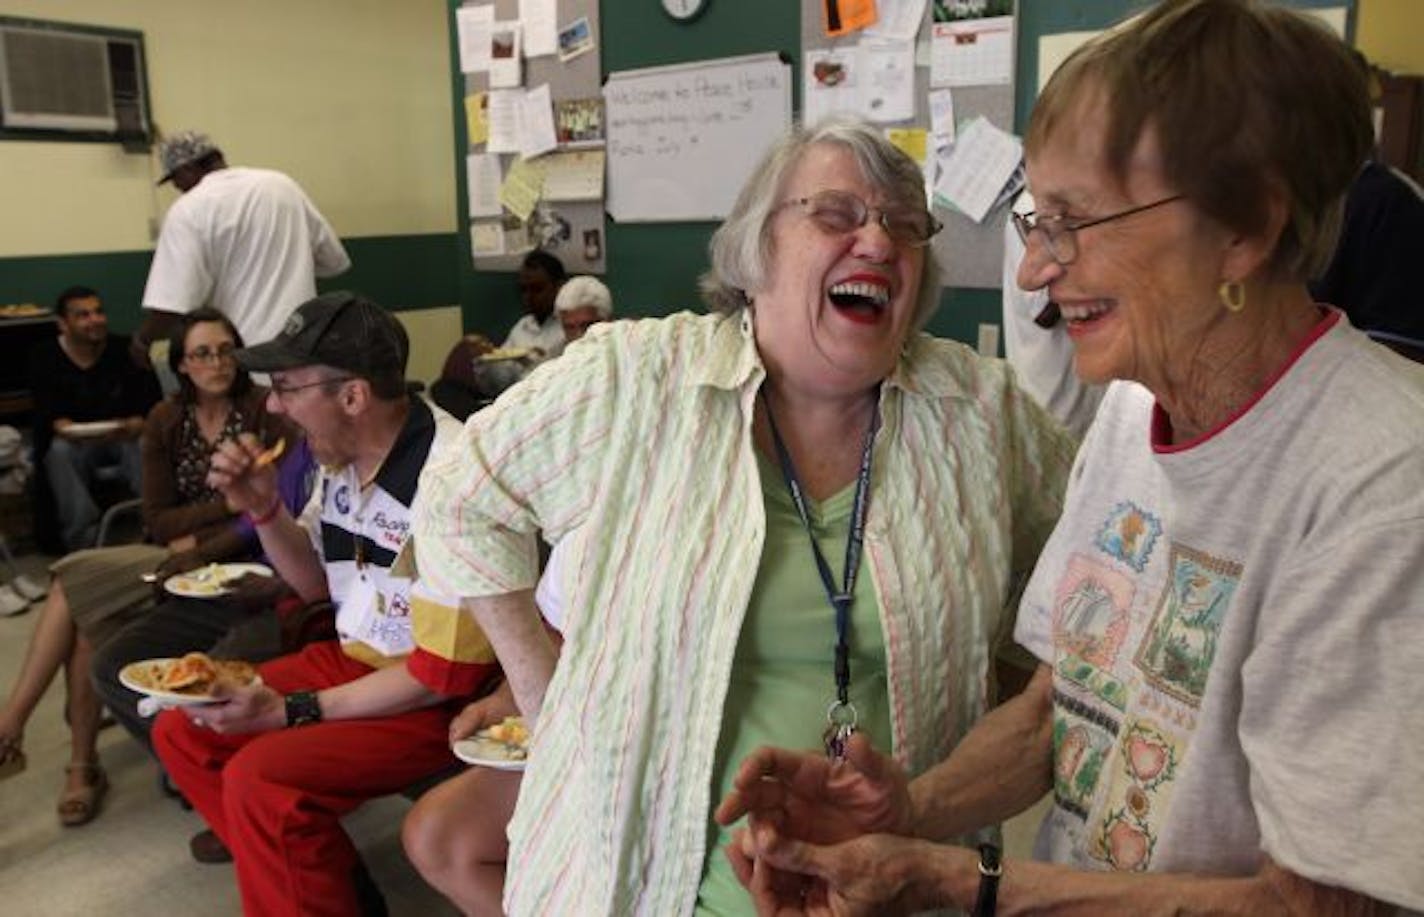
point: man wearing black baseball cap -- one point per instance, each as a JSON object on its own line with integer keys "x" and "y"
{"x": 405, "y": 659}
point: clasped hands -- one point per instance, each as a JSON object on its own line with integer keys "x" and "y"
{"x": 823, "y": 837}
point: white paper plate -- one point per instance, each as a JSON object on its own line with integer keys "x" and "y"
{"x": 505, "y": 353}
{"x": 486, "y": 752}
{"x": 92, "y": 428}
{"x": 133, "y": 677}
{"x": 211, "y": 581}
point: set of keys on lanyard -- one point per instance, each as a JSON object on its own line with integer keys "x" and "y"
{"x": 840, "y": 715}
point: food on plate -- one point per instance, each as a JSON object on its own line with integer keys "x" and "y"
{"x": 209, "y": 580}
{"x": 271, "y": 455}
{"x": 506, "y": 353}
{"x": 22, "y": 310}
{"x": 511, "y": 733}
{"x": 212, "y": 580}
{"x": 194, "y": 674}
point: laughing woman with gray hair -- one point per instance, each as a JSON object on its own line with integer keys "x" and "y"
{"x": 717, "y": 482}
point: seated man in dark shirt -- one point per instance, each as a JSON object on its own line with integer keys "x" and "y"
{"x": 90, "y": 401}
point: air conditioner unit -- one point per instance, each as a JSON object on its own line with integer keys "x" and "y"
{"x": 72, "y": 79}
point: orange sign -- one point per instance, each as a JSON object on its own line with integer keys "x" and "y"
{"x": 842, "y": 16}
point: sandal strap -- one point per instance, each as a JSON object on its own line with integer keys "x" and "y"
{"x": 91, "y": 769}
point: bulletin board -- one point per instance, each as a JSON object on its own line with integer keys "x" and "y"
{"x": 970, "y": 253}
{"x": 571, "y": 230}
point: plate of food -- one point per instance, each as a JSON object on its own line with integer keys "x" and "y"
{"x": 211, "y": 581}
{"x": 505, "y": 353}
{"x": 22, "y": 310}
{"x": 90, "y": 428}
{"x": 186, "y": 680}
{"x": 503, "y": 746}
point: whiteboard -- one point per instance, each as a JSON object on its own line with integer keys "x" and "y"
{"x": 683, "y": 139}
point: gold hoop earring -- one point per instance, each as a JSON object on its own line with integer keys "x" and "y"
{"x": 1232, "y": 294}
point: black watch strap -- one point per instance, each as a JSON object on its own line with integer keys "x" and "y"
{"x": 990, "y": 869}
{"x": 303, "y": 708}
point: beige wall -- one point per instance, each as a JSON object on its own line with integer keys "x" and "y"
{"x": 1391, "y": 34}
{"x": 432, "y": 333}
{"x": 349, "y": 97}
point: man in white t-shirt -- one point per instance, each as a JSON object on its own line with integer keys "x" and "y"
{"x": 248, "y": 242}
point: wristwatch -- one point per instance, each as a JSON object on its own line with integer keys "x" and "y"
{"x": 303, "y": 708}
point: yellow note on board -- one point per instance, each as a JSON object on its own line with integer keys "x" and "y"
{"x": 909, "y": 140}
{"x": 842, "y": 16}
{"x": 477, "y": 117}
{"x": 523, "y": 186}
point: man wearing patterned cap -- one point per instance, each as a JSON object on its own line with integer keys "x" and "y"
{"x": 248, "y": 242}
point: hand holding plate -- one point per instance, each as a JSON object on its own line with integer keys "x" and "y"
{"x": 249, "y": 708}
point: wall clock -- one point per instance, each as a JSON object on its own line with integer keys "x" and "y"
{"x": 683, "y": 9}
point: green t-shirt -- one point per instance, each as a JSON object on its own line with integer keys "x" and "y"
{"x": 783, "y": 675}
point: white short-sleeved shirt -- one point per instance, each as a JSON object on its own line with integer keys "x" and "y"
{"x": 247, "y": 242}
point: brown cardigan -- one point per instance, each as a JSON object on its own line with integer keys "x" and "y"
{"x": 165, "y": 516}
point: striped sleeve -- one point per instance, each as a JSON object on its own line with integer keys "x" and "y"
{"x": 527, "y": 463}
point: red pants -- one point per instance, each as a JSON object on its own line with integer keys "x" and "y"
{"x": 276, "y": 798}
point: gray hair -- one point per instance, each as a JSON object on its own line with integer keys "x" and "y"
{"x": 741, "y": 249}
{"x": 578, "y": 292}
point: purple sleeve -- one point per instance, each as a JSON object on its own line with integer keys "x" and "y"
{"x": 294, "y": 481}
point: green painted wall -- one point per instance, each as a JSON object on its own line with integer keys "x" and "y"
{"x": 401, "y": 272}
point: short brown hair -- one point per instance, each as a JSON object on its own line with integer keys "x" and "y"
{"x": 1243, "y": 97}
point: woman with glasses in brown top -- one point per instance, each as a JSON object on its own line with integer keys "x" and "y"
{"x": 95, "y": 592}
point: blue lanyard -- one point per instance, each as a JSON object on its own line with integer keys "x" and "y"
{"x": 841, "y": 713}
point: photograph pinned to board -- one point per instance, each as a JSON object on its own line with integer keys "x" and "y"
{"x": 506, "y": 63}
{"x": 574, "y": 39}
{"x": 972, "y": 43}
{"x": 579, "y": 121}
{"x": 841, "y": 17}
{"x": 959, "y": 10}
{"x": 572, "y": 232}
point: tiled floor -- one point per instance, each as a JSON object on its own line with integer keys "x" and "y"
{"x": 133, "y": 859}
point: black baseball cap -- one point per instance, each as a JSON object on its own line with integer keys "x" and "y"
{"x": 340, "y": 329}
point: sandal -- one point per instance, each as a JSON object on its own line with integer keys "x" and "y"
{"x": 78, "y": 807}
{"x": 12, "y": 756}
